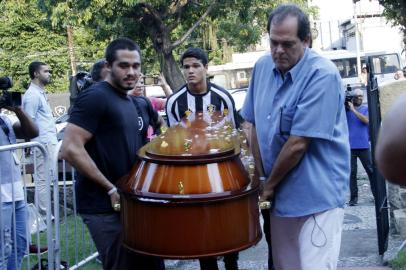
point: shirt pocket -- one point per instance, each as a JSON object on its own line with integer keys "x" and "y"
{"x": 286, "y": 115}
{"x": 282, "y": 131}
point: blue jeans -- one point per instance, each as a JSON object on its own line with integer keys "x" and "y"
{"x": 13, "y": 249}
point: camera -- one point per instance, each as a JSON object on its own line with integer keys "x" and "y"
{"x": 349, "y": 95}
{"x": 7, "y": 98}
{"x": 83, "y": 80}
{"x": 151, "y": 79}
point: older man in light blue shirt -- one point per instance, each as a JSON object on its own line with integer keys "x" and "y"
{"x": 36, "y": 105}
{"x": 296, "y": 102}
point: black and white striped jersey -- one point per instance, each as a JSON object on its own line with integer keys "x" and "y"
{"x": 215, "y": 99}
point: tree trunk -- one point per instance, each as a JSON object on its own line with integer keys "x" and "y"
{"x": 69, "y": 31}
{"x": 172, "y": 72}
{"x": 163, "y": 46}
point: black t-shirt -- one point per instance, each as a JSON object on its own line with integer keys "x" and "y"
{"x": 149, "y": 116}
{"x": 112, "y": 118}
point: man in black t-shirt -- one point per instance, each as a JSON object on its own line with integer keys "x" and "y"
{"x": 101, "y": 141}
{"x": 148, "y": 117}
{"x": 199, "y": 95}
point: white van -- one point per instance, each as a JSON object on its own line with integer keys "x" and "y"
{"x": 385, "y": 64}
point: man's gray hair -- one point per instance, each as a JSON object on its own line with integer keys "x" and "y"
{"x": 358, "y": 92}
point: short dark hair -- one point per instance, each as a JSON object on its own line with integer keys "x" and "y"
{"x": 34, "y": 67}
{"x": 121, "y": 43}
{"x": 195, "y": 53}
{"x": 95, "y": 72}
{"x": 281, "y": 12}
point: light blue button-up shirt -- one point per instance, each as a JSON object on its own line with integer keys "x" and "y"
{"x": 36, "y": 105}
{"x": 10, "y": 173}
{"x": 307, "y": 102}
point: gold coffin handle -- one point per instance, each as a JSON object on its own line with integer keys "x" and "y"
{"x": 264, "y": 205}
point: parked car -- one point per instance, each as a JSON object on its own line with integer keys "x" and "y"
{"x": 60, "y": 123}
{"x": 239, "y": 97}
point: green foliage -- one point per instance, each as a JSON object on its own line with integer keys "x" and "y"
{"x": 76, "y": 243}
{"x": 399, "y": 263}
{"x": 24, "y": 37}
{"x": 159, "y": 25}
{"x": 395, "y": 11}
{"x": 27, "y": 34}
{"x": 36, "y": 30}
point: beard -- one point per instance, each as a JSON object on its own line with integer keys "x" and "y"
{"x": 45, "y": 81}
{"x": 357, "y": 103}
{"x": 123, "y": 84}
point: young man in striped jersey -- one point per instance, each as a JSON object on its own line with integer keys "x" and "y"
{"x": 200, "y": 95}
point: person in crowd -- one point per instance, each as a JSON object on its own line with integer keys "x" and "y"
{"x": 148, "y": 111}
{"x": 364, "y": 75}
{"x": 398, "y": 75}
{"x": 390, "y": 151}
{"x": 13, "y": 207}
{"x": 101, "y": 142}
{"x": 199, "y": 95}
{"x": 157, "y": 103}
{"x": 296, "y": 103}
{"x": 99, "y": 70}
{"x": 357, "y": 119}
{"x": 35, "y": 104}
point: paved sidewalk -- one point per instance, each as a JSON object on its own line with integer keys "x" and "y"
{"x": 366, "y": 268}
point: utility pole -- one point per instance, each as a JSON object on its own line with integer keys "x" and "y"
{"x": 69, "y": 30}
{"x": 357, "y": 39}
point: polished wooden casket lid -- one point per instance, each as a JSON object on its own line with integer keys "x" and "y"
{"x": 197, "y": 136}
{"x": 200, "y": 155}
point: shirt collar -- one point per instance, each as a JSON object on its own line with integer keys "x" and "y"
{"x": 294, "y": 71}
{"x": 205, "y": 93}
{"x": 37, "y": 87}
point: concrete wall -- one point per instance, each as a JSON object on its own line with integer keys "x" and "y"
{"x": 396, "y": 195}
{"x": 389, "y": 92}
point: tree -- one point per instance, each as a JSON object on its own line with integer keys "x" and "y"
{"x": 395, "y": 11}
{"x": 166, "y": 26}
{"x": 26, "y": 34}
{"x": 23, "y": 39}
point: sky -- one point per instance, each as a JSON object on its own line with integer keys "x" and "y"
{"x": 344, "y": 9}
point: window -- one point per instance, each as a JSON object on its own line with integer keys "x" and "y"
{"x": 384, "y": 64}
{"x": 348, "y": 66}
{"x": 241, "y": 75}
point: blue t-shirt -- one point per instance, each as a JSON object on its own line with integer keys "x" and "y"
{"x": 308, "y": 102}
{"x": 359, "y": 136}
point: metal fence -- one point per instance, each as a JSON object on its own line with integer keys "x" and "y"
{"x": 57, "y": 239}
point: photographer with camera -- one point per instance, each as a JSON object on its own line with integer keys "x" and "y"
{"x": 13, "y": 206}
{"x": 35, "y": 103}
{"x": 357, "y": 119}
